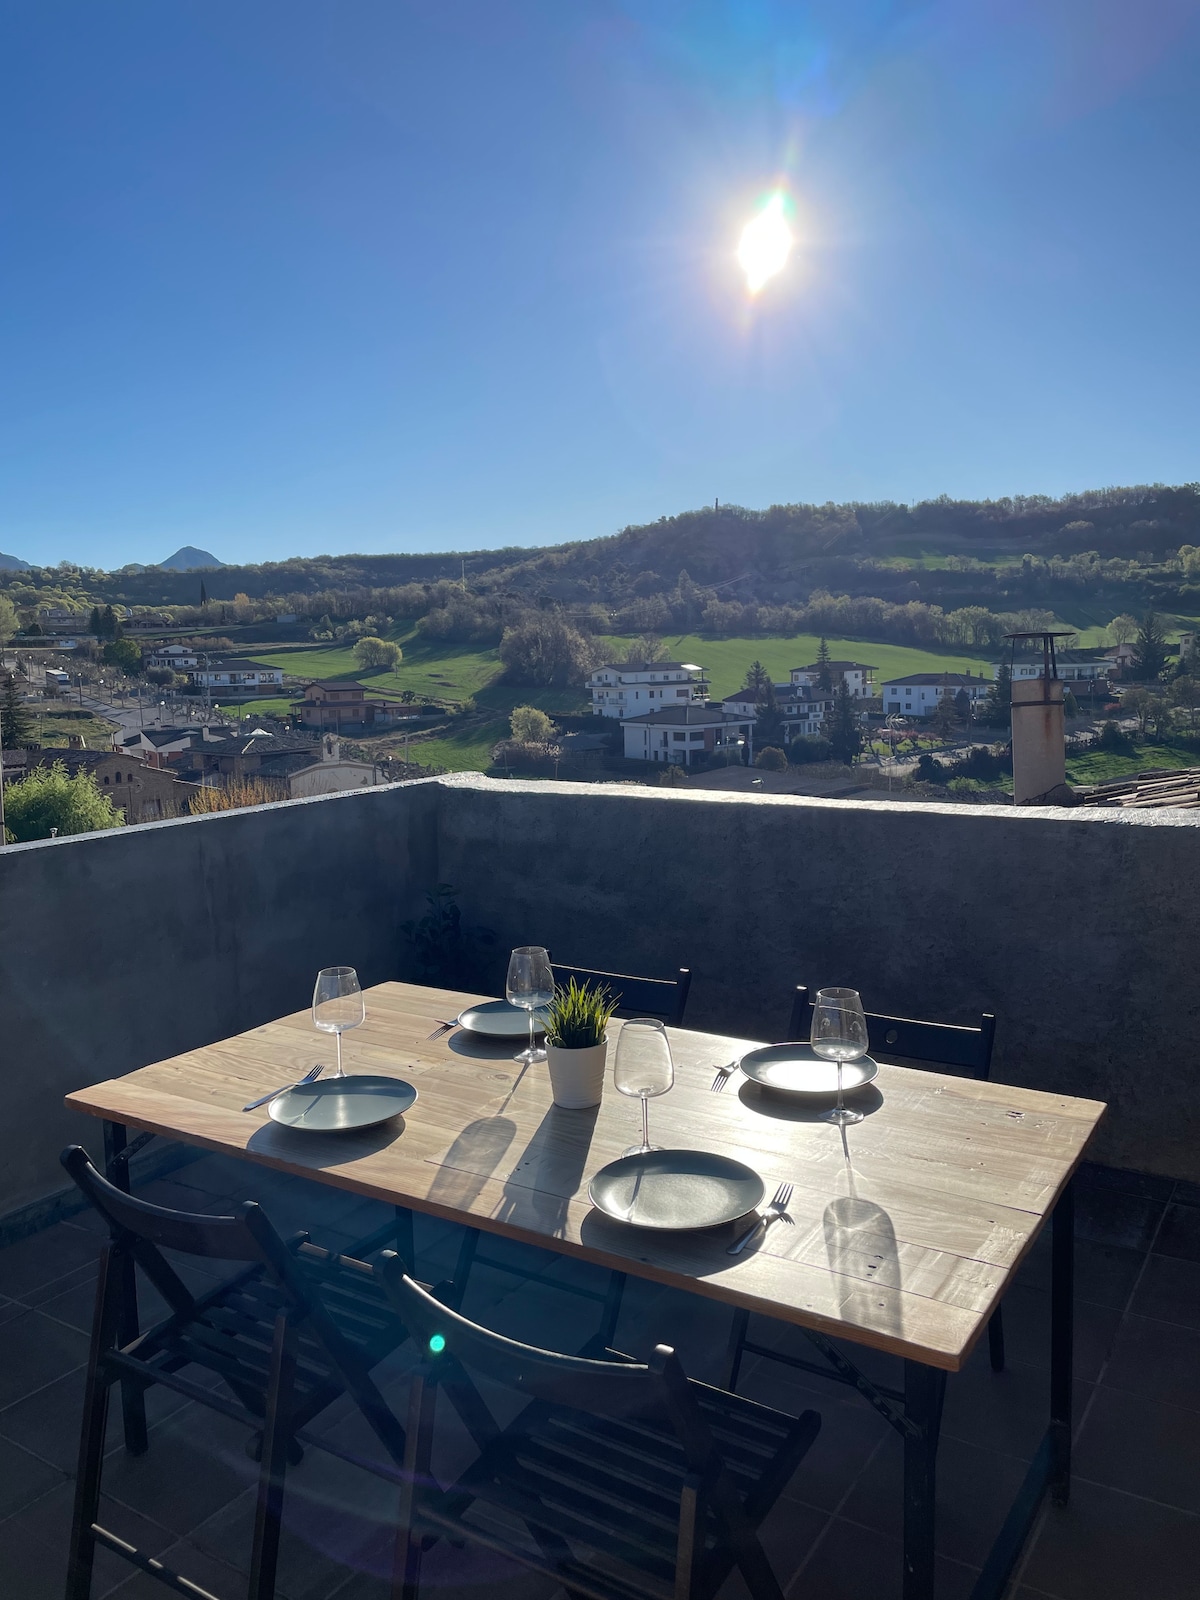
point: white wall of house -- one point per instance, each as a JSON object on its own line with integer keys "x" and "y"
{"x": 856, "y": 676}
{"x": 620, "y": 692}
{"x": 920, "y": 699}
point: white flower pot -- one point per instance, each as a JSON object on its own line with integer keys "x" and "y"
{"x": 577, "y": 1076}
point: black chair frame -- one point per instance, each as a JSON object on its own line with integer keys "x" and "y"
{"x": 946, "y": 1046}
{"x": 294, "y": 1329}
{"x": 663, "y": 1479}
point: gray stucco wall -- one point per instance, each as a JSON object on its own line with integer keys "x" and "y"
{"x": 1079, "y": 929}
{"x": 122, "y": 948}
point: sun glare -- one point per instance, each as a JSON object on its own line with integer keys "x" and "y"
{"x": 765, "y": 245}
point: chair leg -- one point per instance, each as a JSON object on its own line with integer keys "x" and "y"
{"x": 733, "y": 1355}
{"x": 268, "y": 1511}
{"x": 82, "y": 1548}
{"x": 996, "y": 1339}
{"x": 690, "y": 1548}
{"x": 418, "y": 1452}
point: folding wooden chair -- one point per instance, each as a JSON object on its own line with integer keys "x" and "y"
{"x": 292, "y": 1331}
{"x": 623, "y": 1481}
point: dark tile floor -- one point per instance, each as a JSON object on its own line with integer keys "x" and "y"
{"x": 1132, "y": 1530}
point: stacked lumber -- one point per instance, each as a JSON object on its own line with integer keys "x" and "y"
{"x": 1144, "y": 790}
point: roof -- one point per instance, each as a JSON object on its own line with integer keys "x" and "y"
{"x": 692, "y": 716}
{"x": 262, "y": 744}
{"x": 1145, "y": 791}
{"x": 962, "y": 680}
{"x": 650, "y": 666}
{"x": 233, "y": 664}
{"x": 783, "y": 691}
{"x": 334, "y": 683}
{"x": 158, "y": 736}
{"x": 838, "y": 666}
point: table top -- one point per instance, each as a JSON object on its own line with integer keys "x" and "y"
{"x": 906, "y": 1231}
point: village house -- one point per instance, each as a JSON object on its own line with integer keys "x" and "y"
{"x": 1074, "y": 666}
{"x": 856, "y": 675}
{"x": 142, "y": 793}
{"x": 173, "y": 657}
{"x": 628, "y": 688}
{"x": 918, "y": 694}
{"x": 682, "y": 734}
{"x": 299, "y": 764}
{"x": 234, "y": 673}
{"x": 804, "y": 710}
{"x": 340, "y": 703}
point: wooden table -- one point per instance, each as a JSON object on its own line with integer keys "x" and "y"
{"x": 907, "y": 1230}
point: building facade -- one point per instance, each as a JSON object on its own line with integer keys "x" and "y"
{"x": 629, "y": 688}
{"x": 235, "y": 673}
{"x": 856, "y": 675}
{"x": 918, "y": 694}
{"x": 804, "y": 710}
{"x": 337, "y": 702}
{"x": 680, "y": 735}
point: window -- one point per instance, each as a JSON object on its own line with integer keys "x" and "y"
{"x": 679, "y": 737}
{"x": 696, "y": 738}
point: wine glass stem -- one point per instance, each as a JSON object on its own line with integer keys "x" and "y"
{"x": 531, "y": 1033}
{"x": 839, "y": 1104}
{"x": 645, "y": 1123}
{"x": 339, "y": 1073}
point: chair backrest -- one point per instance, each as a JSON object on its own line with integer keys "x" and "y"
{"x": 933, "y": 1044}
{"x": 604, "y": 1388}
{"x": 664, "y": 998}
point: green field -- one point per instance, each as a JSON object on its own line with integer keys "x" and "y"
{"x": 1098, "y": 766}
{"x": 726, "y": 660}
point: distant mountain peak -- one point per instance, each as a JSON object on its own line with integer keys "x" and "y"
{"x": 188, "y": 558}
{"x": 12, "y": 563}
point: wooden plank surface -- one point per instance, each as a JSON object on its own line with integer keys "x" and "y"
{"x": 905, "y": 1232}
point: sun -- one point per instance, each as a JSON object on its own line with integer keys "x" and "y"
{"x": 765, "y": 245}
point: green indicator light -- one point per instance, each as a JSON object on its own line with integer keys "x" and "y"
{"x": 437, "y": 1344}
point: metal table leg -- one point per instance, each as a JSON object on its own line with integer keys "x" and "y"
{"x": 924, "y": 1391}
{"x": 133, "y": 1396}
{"x": 1062, "y": 1342}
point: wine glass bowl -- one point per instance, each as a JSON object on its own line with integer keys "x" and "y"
{"x": 839, "y": 1033}
{"x": 529, "y": 985}
{"x": 643, "y": 1068}
{"x": 338, "y": 1005}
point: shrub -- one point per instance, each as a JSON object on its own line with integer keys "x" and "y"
{"x": 233, "y": 796}
{"x": 373, "y": 652}
{"x": 802, "y": 751}
{"x": 771, "y": 759}
{"x": 530, "y": 726}
{"x": 48, "y": 798}
{"x": 1115, "y": 740}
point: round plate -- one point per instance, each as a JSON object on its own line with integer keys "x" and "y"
{"x": 498, "y": 1020}
{"x": 336, "y": 1105}
{"x": 797, "y": 1069}
{"x": 676, "y": 1190}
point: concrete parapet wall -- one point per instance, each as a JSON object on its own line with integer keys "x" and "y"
{"x": 1078, "y": 928}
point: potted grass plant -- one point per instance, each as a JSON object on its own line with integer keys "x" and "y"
{"x": 576, "y": 1043}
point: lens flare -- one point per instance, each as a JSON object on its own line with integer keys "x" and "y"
{"x": 765, "y": 245}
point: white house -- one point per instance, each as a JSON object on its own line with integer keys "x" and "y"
{"x": 855, "y": 674}
{"x": 627, "y": 688}
{"x": 174, "y": 657}
{"x": 1074, "y": 666}
{"x": 681, "y": 734}
{"x": 917, "y": 695}
{"x": 235, "y": 673}
{"x": 804, "y": 710}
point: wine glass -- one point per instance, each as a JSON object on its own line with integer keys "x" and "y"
{"x": 530, "y": 984}
{"x": 643, "y": 1067}
{"x": 337, "y": 1004}
{"x": 839, "y": 1033}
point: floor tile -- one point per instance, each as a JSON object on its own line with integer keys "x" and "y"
{"x": 196, "y": 1464}
{"x": 1179, "y": 1234}
{"x": 47, "y": 1422}
{"x": 184, "y": 1558}
{"x": 34, "y": 1351}
{"x": 48, "y": 1524}
{"x": 1111, "y": 1546}
{"x": 853, "y": 1562}
{"x": 1157, "y": 1359}
{"x": 1027, "y": 1332}
{"x": 1145, "y": 1447}
{"x": 1143, "y": 1184}
{"x": 1169, "y": 1289}
{"x": 43, "y": 1257}
{"x": 23, "y": 1478}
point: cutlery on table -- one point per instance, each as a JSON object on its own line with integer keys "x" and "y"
{"x": 309, "y": 1077}
{"x": 776, "y": 1210}
{"x": 442, "y": 1027}
{"x": 722, "y": 1078}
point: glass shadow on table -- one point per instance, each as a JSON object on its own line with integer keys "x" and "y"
{"x": 785, "y": 1107}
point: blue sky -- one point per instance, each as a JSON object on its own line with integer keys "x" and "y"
{"x": 293, "y": 277}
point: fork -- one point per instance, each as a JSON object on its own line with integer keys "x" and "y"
{"x": 309, "y": 1077}
{"x": 776, "y": 1210}
{"x": 442, "y": 1027}
{"x": 722, "y": 1078}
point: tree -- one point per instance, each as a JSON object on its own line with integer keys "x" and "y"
{"x": 1070, "y": 705}
{"x": 997, "y": 710}
{"x": 48, "y": 799}
{"x": 945, "y": 717}
{"x": 16, "y": 728}
{"x": 769, "y": 725}
{"x": 547, "y": 652}
{"x": 123, "y": 653}
{"x": 530, "y": 726}
{"x": 1150, "y": 647}
{"x": 8, "y": 618}
{"x": 824, "y": 675}
{"x": 108, "y": 623}
{"x": 845, "y": 735}
{"x": 962, "y": 708}
{"x": 1123, "y": 628}
{"x": 757, "y": 678}
{"x": 1185, "y": 693}
{"x": 648, "y": 647}
{"x": 95, "y": 625}
{"x": 771, "y": 759}
{"x": 373, "y": 652}
{"x": 1138, "y": 702}
{"x": 407, "y": 697}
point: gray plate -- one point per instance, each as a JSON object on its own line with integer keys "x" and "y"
{"x": 498, "y": 1020}
{"x": 675, "y": 1190}
{"x": 797, "y": 1069}
{"x": 337, "y": 1105}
